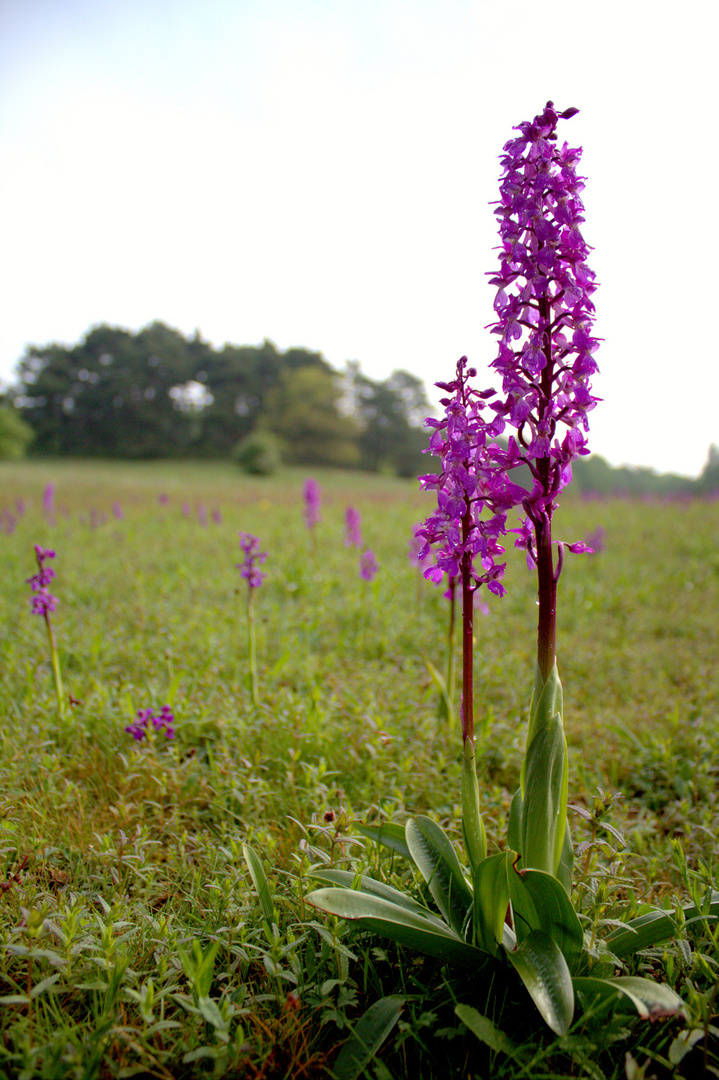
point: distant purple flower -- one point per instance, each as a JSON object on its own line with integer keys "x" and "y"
{"x": 8, "y": 522}
{"x": 596, "y": 539}
{"x": 42, "y": 602}
{"x": 163, "y": 499}
{"x": 353, "y": 531}
{"x": 117, "y": 511}
{"x": 253, "y": 559}
{"x": 368, "y": 565}
{"x": 48, "y": 500}
{"x": 217, "y": 516}
{"x": 146, "y": 721}
{"x": 312, "y": 503}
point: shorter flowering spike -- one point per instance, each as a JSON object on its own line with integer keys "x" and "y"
{"x": 312, "y": 503}
{"x": 368, "y": 565}
{"x": 253, "y": 559}
{"x": 353, "y": 531}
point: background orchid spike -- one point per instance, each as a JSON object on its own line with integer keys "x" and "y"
{"x": 254, "y": 558}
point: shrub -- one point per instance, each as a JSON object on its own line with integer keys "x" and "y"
{"x": 258, "y": 454}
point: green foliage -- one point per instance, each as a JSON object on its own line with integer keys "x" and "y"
{"x": 15, "y": 435}
{"x": 158, "y": 394}
{"x": 258, "y": 454}
{"x": 303, "y": 413}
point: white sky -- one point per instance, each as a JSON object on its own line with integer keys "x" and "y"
{"x": 318, "y": 172}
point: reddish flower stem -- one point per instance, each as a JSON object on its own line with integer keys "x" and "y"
{"x": 467, "y": 637}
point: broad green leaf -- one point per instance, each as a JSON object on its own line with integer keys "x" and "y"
{"x": 546, "y": 703}
{"x": 438, "y": 864}
{"x": 346, "y": 879}
{"x": 491, "y": 900}
{"x": 486, "y": 1031}
{"x": 539, "y": 902}
{"x": 398, "y": 924}
{"x": 544, "y": 798}
{"x": 367, "y": 1036}
{"x": 259, "y": 880}
{"x": 542, "y": 968}
{"x": 473, "y": 832}
{"x": 390, "y": 835}
{"x": 650, "y": 999}
{"x": 656, "y": 927}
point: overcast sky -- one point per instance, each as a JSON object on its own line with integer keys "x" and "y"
{"x": 319, "y": 172}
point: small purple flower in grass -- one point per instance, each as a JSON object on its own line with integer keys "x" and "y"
{"x": 254, "y": 577}
{"x": 44, "y": 603}
{"x": 48, "y": 500}
{"x": 253, "y": 559}
{"x": 368, "y": 565}
{"x": 117, "y": 511}
{"x": 163, "y": 499}
{"x": 353, "y": 531}
{"x": 146, "y": 721}
{"x": 312, "y": 503}
{"x": 217, "y": 516}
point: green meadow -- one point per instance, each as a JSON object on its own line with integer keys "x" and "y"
{"x": 133, "y": 939}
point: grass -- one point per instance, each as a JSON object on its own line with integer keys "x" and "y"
{"x": 133, "y": 939}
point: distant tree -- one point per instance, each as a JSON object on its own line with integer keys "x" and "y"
{"x": 15, "y": 434}
{"x": 390, "y": 415}
{"x": 303, "y": 411}
{"x": 110, "y": 395}
{"x": 708, "y": 482}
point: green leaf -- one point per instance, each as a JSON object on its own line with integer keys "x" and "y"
{"x": 649, "y": 999}
{"x": 438, "y": 864}
{"x": 656, "y": 927}
{"x": 348, "y": 880}
{"x": 473, "y": 832}
{"x": 259, "y": 880}
{"x": 367, "y": 1037}
{"x": 390, "y": 835}
{"x": 565, "y": 870}
{"x": 542, "y": 968}
{"x": 491, "y": 900}
{"x": 539, "y": 902}
{"x": 446, "y": 709}
{"x": 486, "y": 1031}
{"x": 396, "y": 923}
{"x": 544, "y": 798}
{"x": 514, "y": 823}
{"x": 211, "y": 1013}
{"x": 546, "y": 703}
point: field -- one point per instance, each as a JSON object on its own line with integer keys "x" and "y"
{"x": 133, "y": 938}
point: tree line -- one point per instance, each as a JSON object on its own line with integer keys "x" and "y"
{"x": 157, "y": 393}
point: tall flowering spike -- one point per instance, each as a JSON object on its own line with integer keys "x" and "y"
{"x": 543, "y": 303}
{"x": 545, "y": 329}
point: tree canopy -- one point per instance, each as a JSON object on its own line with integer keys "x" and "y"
{"x": 157, "y": 393}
